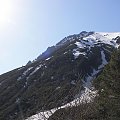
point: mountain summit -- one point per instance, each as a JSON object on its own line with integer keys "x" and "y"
{"x": 60, "y": 77}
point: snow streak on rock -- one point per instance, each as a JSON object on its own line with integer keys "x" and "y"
{"x": 35, "y": 70}
{"x": 24, "y": 73}
{"x": 104, "y": 61}
{"x": 86, "y": 96}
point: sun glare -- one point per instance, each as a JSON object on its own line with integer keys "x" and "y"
{"x": 5, "y": 11}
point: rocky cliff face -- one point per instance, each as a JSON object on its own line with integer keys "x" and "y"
{"x": 58, "y": 76}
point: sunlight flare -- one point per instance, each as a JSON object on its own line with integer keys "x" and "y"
{"x": 6, "y": 11}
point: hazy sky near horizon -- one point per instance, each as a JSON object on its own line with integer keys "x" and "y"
{"x": 28, "y": 27}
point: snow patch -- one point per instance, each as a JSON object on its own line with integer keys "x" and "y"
{"x": 73, "y": 82}
{"x": 25, "y": 72}
{"x": 65, "y": 52}
{"x": 49, "y": 58}
{"x": 58, "y": 88}
{"x": 20, "y": 68}
{"x": 104, "y": 61}
{"x": 76, "y": 53}
{"x": 80, "y": 45}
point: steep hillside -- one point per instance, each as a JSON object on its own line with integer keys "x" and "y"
{"x": 57, "y": 77}
{"x": 106, "y": 105}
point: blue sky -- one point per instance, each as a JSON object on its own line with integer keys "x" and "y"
{"x": 28, "y": 27}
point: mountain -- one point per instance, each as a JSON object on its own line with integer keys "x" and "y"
{"x": 59, "y": 77}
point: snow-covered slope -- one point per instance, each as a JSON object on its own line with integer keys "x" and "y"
{"x": 109, "y": 35}
{"x": 92, "y": 37}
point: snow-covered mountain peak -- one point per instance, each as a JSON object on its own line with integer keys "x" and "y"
{"x": 106, "y": 38}
{"x": 74, "y": 37}
{"x": 85, "y": 40}
{"x": 92, "y": 37}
